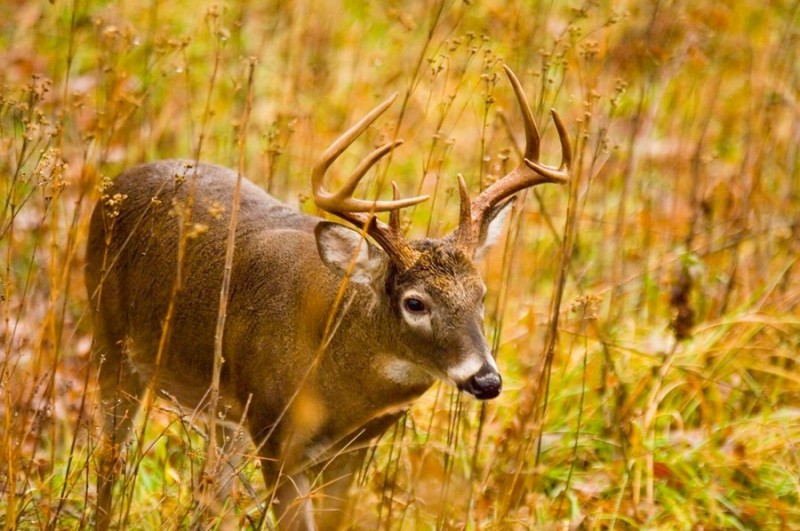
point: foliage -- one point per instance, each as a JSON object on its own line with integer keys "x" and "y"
{"x": 668, "y": 398}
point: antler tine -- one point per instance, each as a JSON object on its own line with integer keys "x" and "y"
{"x": 342, "y": 200}
{"x": 394, "y": 215}
{"x": 531, "y": 131}
{"x": 344, "y": 141}
{"x": 465, "y": 237}
{"x": 530, "y": 172}
{"x": 561, "y": 173}
{"x": 360, "y": 212}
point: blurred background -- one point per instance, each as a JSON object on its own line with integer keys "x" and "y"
{"x": 646, "y": 317}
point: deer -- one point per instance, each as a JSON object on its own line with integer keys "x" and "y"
{"x": 332, "y": 331}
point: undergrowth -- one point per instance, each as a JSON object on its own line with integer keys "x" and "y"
{"x": 646, "y": 317}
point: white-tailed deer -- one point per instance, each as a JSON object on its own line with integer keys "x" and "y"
{"x": 351, "y": 329}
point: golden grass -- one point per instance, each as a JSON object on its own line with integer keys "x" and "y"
{"x": 670, "y": 399}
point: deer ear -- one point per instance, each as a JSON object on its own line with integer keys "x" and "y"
{"x": 493, "y": 226}
{"x": 344, "y": 250}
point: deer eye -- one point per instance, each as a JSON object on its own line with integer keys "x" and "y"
{"x": 414, "y": 305}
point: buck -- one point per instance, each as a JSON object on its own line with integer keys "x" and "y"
{"x": 329, "y": 335}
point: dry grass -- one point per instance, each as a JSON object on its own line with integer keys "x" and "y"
{"x": 669, "y": 396}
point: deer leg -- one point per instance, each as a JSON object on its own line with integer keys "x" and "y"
{"x": 337, "y": 476}
{"x": 232, "y": 446}
{"x": 282, "y": 455}
{"x": 291, "y": 501}
{"x": 120, "y": 394}
{"x": 294, "y": 509}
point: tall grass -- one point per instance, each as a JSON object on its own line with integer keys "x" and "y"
{"x": 646, "y": 318}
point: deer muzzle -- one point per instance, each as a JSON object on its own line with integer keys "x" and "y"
{"x": 484, "y": 384}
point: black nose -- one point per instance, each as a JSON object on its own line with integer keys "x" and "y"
{"x": 485, "y": 384}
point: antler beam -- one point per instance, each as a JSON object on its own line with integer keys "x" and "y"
{"x": 360, "y": 212}
{"x": 530, "y": 172}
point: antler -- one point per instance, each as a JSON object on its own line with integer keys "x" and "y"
{"x": 530, "y": 172}
{"x": 359, "y": 212}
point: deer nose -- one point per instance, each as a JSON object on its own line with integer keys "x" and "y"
{"x": 484, "y": 384}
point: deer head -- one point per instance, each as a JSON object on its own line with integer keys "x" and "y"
{"x": 431, "y": 287}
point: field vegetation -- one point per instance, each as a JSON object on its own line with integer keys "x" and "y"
{"x": 646, "y": 317}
